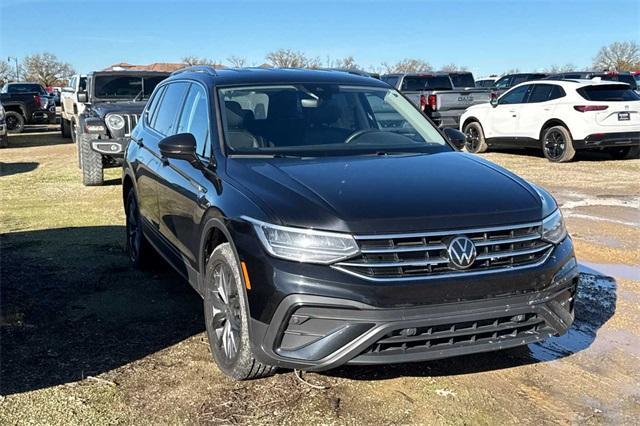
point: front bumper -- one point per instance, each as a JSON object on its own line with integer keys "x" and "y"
{"x": 447, "y": 119}
{"x": 608, "y": 140}
{"x": 315, "y": 317}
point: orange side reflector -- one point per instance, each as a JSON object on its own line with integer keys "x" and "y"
{"x": 245, "y": 274}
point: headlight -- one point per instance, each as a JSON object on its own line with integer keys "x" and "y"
{"x": 304, "y": 245}
{"x": 115, "y": 122}
{"x": 553, "y": 229}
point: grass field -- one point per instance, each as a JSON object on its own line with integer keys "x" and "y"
{"x": 86, "y": 339}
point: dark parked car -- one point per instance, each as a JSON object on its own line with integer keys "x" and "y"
{"x": 26, "y": 103}
{"x": 4, "y": 138}
{"x": 111, "y": 107}
{"x": 624, "y": 77}
{"x": 506, "y": 82}
{"x": 318, "y": 236}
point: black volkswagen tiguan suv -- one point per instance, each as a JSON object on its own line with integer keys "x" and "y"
{"x": 325, "y": 221}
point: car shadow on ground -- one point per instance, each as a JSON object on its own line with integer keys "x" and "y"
{"x": 8, "y": 169}
{"x": 581, "y": 155}
{"x": 595, "y": 305}
{"x": 33, "y": 137}
{"x": 72, "y": 306}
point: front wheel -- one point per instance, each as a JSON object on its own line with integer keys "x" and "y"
{"x": 138, "y": 248}
{"x": 227, "y": 318}
{"x": 91, "y": 162}
{"x": 474, "y": 138}
{"x": 65, "y": 128}
{"x": 557, "y": 144}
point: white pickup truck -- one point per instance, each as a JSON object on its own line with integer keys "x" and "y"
{"x": 442, "y": 96}
{"x": 70, "y": 107}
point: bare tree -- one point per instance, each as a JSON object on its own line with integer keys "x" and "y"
{"x": 194, "y": 60}
{"x": 348, "y": 62}
{"x": 7, "y": 72}
{"x": 618, "y": 56}
{"x": 288, "y": 58}
{"x": 511, "y": 71}
{"x": 408, "y": 65}
{"x": 453, "y": 68}
{"x": 45, "y": 68}
{"x": 555, "y": 69}
{"x": 237, "y": 61}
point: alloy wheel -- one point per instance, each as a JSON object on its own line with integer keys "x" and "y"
{"x": 555, "y": 144}
{"x": 473, "y": 139}
{"x": 225, "y": 318}
{"x": 12, "y": 123}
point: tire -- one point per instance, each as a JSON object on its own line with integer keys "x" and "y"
{"x": 15, "y": 122}
{"x": 4, "y": 141}
{"x": 227, "y": 318}
{"x": 91, "y": 163}
{"x": 73, "y": 130}
{"x": 557, "y": 144}
{"x": 138, "y": 248}
{"x": 624, "y": 152}
{"x": 65, "y": 128}
{"x": 474, "y": 141}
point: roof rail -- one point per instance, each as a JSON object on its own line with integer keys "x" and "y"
{"x": 353, "y": 71}
{"x": 197, "y": 68}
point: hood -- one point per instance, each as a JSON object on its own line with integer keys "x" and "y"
{"x": 387, "y": 194}
{"x": 101, "y": 109}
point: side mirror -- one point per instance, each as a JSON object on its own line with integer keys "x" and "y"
{"x": 494, "y": 100}
{"x": 180, "y": 147}
{"x": 455, "y": 136}
{"x": 82, "y": 97}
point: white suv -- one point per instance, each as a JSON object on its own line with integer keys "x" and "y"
{"x": 559, "y": 117}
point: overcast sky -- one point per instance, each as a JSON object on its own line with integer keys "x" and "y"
{"x": 486, "y": 36}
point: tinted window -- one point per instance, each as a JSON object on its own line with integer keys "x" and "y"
{"x": 557, "y": 92}
{"x": 391, "y": 81}
{"x": 608, "y": 93}
{"x": 25, "y": 88}
{"x": 151, "y": 108}
{"x": 417, "y": 83}
{"x": 125, "y": 86}
{"x": 462, "y": 80}
{"x": 165, "y": 118}
{"x": 83, "y": 84}
{"x": 515, "y": 96}
{"x": 195, "y": 118}
{"x": 503, "y": 83}
{"x": 520, "y": 79}
{"x": 485, "y": 83}
{"x": 540, "y": 93}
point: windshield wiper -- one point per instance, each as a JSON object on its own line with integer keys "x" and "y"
{"x": 141, "y": 92}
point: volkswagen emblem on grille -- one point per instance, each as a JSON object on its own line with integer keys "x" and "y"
{"x": 462, "y": 252}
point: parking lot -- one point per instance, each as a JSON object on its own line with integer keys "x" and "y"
{"x": 88, "y": 339}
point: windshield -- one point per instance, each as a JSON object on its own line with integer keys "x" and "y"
{"x": 24, "y": 88}
{"x": 128, "y": 87}
{"x": 324, "y": 119}
{"x": 462, "y": 80}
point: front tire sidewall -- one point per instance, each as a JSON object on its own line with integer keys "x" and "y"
{"x": 474, "y": 129}
{"x": 240, "y": 366}
{"x": 90, "y": 162}
{"x": 564, "y": 155}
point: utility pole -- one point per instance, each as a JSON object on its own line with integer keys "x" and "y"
{"x": 15, "y": 58}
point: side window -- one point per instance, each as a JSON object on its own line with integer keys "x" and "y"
{"x": 72, "y": 82}
{"x": 83, "y": 84}
{"x": 152, "y": 106}
{"x": 503, "y": 83}
{"x": 391, "y": 81}
{"x": 164, "y": 120}
{"x": 540, "y": 93}
{"x": 195, "y": 119}
{"x": 519, "y": 79}
{"x": 557, "y": 92}
{"x": 515, "y": 96}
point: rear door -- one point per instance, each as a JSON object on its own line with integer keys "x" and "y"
{"x": 539, "y": 108}
{"x": 504, "y": 117}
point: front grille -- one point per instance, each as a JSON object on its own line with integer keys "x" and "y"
{"x": 442, "y": 337}
{"x": 130, "y": 121}
{"x": 424, "y": 255}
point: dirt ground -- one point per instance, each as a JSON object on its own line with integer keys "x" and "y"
{"x": 87, "y": 339}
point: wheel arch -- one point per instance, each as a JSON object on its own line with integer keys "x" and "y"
{"x": 552, "y": 122}
{"x": 214, "y": 232}
{"x": 469, "y": 120}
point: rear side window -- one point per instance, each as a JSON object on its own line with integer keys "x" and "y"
{"x": 195, "y": 118}
{"x": 391, "y": 81}
{"x": 417, "y": 83}
{"x": 608, "y": 93}
{"x": 153, "y": 104}
{"x": 165, "y": 119}
{"x": 503, "y": 83}
{"x": 545, "y": 92}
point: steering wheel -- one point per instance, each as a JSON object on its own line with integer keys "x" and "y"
{"x": 355, "y": 135}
